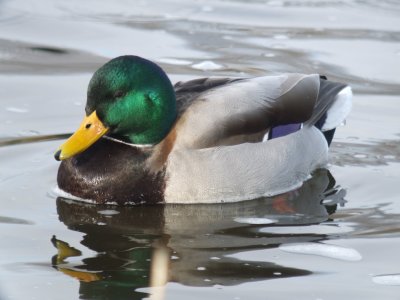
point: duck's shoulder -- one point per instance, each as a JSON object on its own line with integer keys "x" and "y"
{"x": 189, "y": 92}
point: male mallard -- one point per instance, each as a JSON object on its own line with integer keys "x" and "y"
{"x": 201, "y": 141}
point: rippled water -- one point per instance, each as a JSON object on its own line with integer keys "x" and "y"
{"x": 336, "y": 237}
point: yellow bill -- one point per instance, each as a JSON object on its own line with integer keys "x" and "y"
{"x": 90, "y": 130}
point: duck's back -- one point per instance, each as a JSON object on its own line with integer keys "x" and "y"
{"x": 221, "y": 152}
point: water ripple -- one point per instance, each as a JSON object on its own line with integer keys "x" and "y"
{"x": 32, "y": 139}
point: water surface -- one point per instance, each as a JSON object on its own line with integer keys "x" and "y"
{"x": 335, "y": 237}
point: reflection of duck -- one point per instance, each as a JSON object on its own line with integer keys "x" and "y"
{"x": 200, "y": 239}
{"x": 204, "y": 141}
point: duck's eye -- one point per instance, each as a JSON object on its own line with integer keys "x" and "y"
{"x": 119, "y": 94}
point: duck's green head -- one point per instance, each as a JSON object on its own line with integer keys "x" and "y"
{"x": 129, "y": 96}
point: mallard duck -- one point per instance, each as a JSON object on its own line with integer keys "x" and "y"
{"x": 208, "y": 140}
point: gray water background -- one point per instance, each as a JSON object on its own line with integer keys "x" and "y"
{"x": 48, "y": 51}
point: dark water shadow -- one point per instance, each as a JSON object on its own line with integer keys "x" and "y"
{"x": 19, "y": 57}
{"x": 198, "y": 242}
{"x": 9, "y": 220}
{"x": 32, "y": 139}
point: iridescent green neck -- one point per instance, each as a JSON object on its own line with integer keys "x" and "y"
{"x": 161, "y": 123}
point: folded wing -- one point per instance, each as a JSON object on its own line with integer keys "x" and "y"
{"x": 217, "y": 112}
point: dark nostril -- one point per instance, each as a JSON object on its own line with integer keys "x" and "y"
{"x": 57, "y": 155}
{"x": 88, "y": 125}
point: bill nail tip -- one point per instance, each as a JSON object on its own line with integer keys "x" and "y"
{"x": 57, "y": 155}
